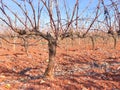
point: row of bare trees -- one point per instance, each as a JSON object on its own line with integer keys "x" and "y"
{"x": 24, "y": 17}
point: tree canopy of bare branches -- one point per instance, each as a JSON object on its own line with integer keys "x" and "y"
{"x": 28, "y": 16}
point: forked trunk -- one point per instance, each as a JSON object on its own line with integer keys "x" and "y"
{"x": 49, "y": 72}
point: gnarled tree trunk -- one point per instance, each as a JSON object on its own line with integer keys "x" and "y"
{"x": 49, "y": 72}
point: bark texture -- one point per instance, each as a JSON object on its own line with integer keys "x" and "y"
{"x": 49, "y": 72}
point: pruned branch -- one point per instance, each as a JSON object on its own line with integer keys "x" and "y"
{"x": 96, "y": 16}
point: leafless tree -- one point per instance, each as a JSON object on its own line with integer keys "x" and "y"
{"x": 30, "y": 22}
{"x": 108, "y": 18}
{"x": 116, "y": 14}
{"x": 31, "y": 25}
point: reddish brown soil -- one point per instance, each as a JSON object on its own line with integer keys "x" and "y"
{"x": 78, "y": 67}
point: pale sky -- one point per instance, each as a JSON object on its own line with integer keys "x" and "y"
{"x": 89, "y": 12}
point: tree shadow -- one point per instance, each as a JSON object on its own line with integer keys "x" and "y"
{"x": 104, "y": 76}
{"x": 73, "y": 59}
{"x": 91, "y": 84}
{"x": 10, "y": 72}
{"x": 18, "y": 54}
{"x": 70, "y": 87}
{"x": 25, "y": 70}
{"x": 6, "y": 70}
{"x": 4, "y": 55}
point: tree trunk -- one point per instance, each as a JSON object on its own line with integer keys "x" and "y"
{"x": 49, "y": 72}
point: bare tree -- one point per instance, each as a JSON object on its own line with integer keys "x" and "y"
{"x": 28, "y": 23}
{"x": 116, "y": 14}
{"x": 31, "y": 25}
{"x": 107, "y": 17}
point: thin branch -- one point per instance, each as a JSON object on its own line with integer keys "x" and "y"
{"x": 39, "y": 13}
{"x": 96, "y": 16}
{"x": 34, "y": 15}
{"x": 9, "y": 23}
{"x": 53, "y": 26}
{"x": 25, "y": 13}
